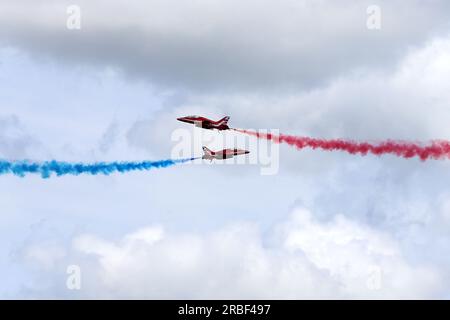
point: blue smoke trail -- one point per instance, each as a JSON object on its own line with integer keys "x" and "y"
{"x": 45, "y": 169}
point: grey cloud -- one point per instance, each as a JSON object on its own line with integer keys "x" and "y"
{"x": 109, "y": 137}
{"x": 15, "y": 141}
{"x": 224, "y": 45}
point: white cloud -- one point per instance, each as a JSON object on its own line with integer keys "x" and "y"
{"x": 305, "y": 259}
{"x": 352, "y": 254}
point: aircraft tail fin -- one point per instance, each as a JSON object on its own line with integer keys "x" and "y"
{"x": 207, "y": 154}
{"x": 224, "y": 120}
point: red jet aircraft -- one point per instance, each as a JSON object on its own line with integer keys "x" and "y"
{"x": 206, "y": 123}
{"x": 222, "y": 154}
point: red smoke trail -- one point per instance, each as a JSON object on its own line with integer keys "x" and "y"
{"x": 438, "y": 149}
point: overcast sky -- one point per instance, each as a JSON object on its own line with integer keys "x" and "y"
{"x": 325, "y": 225}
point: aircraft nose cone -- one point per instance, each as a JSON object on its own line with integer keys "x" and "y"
{"x": 247, "y": 152}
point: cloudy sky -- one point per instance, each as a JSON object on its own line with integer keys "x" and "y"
{"x": 324, "y": 225}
